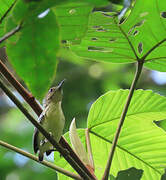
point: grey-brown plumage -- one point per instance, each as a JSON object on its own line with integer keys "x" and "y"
{"x": 52, "y": 119}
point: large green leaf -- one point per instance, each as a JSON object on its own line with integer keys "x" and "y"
{"x": 147, "y": 25}
{"x": 104, "y": 41}
{"x": 32, "y": 52}
{"x": 141, "y": 143}
{"x": 142, "y": 34}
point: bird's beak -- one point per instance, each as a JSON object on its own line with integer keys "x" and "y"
{"x": 60, "y": 84}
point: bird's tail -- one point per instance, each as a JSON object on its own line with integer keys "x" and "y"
{"x": 41, "y": 155}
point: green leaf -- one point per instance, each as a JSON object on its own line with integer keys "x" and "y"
{"x": 5, "y": 5}
{"x": 141, "y": 35}
{"x": 32, "y": 52}
{"x": 141, "y": 143}
{"x": 104, "y": 41}
{"x": 148, "y": 23}
{"x": 73, "y": 21}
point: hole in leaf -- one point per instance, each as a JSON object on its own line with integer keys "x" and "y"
{"x": 143, "y": 14}
{"x": 94, "y": 48}
{"x": 136, "y": 25}
{"x": 94, "y": 39}
{"x": 101, "y": 30}
{"x": 112, "y": 40}
{"x": 64, "y": 41}
{"x": 135, "y": 32}
{"x": 140, "y": 47}
{"x": 43, "y": 14}
{"x": 72, "y": 11}
{"x": 163, "y": 14}
{"x": 99, "y": 49}
{"x": 95, "y": 27}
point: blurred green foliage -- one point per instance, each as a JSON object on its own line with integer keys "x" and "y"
{"x": 86, "y": 81}
{"x": 81, "y": 89}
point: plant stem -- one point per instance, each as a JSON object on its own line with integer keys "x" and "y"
{"x": 123, "y": 115}
{"x": 38, "y": 110}
{"x": 46, "y": 163}
{"x": 11, "y": 33}
{"x": 59, "y": 148}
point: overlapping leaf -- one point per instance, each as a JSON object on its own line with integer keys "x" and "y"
{"x": 32, "y": 52}
{"x": 105, "y": 41}
{"x": 73, "y": 21}
{"x": 5, "y": 5}
{"x": 141, "y": 143}
{"x": 141, "y": 35}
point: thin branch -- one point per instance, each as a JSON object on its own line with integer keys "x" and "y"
{"x": 38, "y": 110}
{"x": 123, "y": 115}
{"x": 46, "y": 163}
{"x": 153, "y": 48}
{"x": 11, "y": 33}
{"x": 6, "y": 13}
{"x": 58, "y": 147}
{"x": 89, "y": 148}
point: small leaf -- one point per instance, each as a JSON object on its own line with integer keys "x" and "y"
{"x": 130, "y": 174}
{"x": 76, "y": 143}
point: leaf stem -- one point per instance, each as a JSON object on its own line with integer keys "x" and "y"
{"x": 38, "y": 110}
{"x": 46, "y": 163}
{"x": 123, "y": 115}
{"x": 11, "y": 33}
{"x": 59, "y": 148}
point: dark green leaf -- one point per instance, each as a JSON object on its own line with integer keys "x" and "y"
{"x": 130, "y": 174}
{"x": 73, "y": 21}
{"x": 32, "y": 52}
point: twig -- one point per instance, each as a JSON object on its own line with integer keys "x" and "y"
{"x": 46, "y": 163}
{"x": 12, "y": 32}
{"x": 123, "y": 115}
{"x": 59, "y": 148}
{"x": 6, "y": 13}
{"x": 89, "y": 148}
{"x": 38, "y": 110}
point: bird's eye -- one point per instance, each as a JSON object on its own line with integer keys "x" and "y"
{"x": 51, "y": 90}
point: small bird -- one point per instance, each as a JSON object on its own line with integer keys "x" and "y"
{"x": 52, "y": 119}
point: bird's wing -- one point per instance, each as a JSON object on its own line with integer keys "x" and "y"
{"x": 36, "y": 134}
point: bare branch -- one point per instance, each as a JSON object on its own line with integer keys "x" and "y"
{"x": 46, "y": 163}
{"x": 11, "y": 33}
